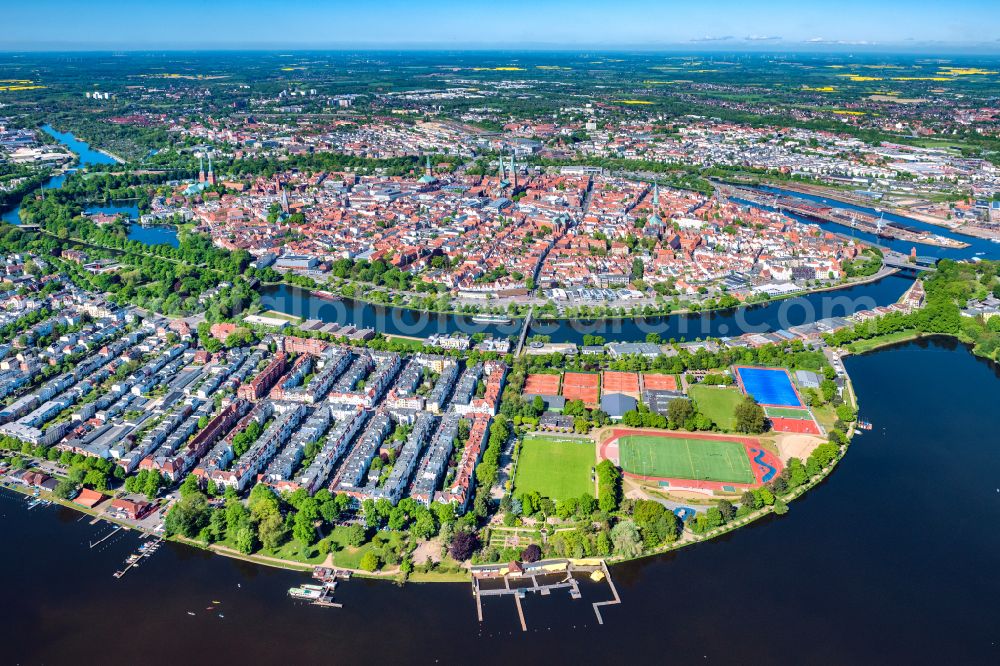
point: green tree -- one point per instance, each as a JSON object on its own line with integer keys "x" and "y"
{"x": 750, "y": 417}
{"x": 304, "y": 531}
{"x": 369, "y": 561}
{"x": 272, "y": 531}
{"x": 626, "y": 540}
{"x": 246, "y": 539}
{"x": 65, "y": 489}
{"x": 609, "y": 480}
{"x": 356, "y": 535}
{"x": 187, "y": 516}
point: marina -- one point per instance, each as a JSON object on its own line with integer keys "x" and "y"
{"x": 146, "y": 549}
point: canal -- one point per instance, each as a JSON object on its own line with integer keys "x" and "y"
{"x": 891, "y": 560}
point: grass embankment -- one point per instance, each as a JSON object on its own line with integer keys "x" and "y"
{"x": 862, "y": 346}
{"x": 416, "y": 344}
{"x": 282, "y": 315}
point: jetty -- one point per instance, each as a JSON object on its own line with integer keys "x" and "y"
{"x": 321, "y": 594}
{"x": 132, "y": 561}
{"x": 521, "y": 579}
{"x": 106, "y": 536}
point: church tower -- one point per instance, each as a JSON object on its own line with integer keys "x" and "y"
{"x": 654, "y": 225}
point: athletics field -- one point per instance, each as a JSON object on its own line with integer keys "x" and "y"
{"x": 679, "y": 457}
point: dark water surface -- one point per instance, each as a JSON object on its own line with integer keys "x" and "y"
{"x": 768, "y": 317}
{"x": 892, "y": 560}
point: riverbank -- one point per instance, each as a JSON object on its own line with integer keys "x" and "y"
{"x": 310, "y": 560}
{"x": 847, "y": 284}
{"x": 872, "y": 531}
{"x": 865, "y": 346}
{"x": 882, "y": 274}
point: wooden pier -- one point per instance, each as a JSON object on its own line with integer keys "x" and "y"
{"x": 321, "y": 595}
{"x": 106, "y": 537}
{"x": 530, "y": 572}
{"x": 145, "y": 550}
{"x": 614, "y": 591}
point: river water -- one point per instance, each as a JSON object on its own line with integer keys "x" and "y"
{"x": 772, "y": 316}
{"x": 85, "y": 154}
{"x": 891, "y": 560}
{"x": 292, "y": 300}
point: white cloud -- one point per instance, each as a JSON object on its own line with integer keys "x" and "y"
{"x": 724, "y": 38}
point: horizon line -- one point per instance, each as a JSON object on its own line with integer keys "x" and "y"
{"x": 771, "y": 47}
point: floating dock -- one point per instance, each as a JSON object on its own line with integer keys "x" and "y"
{"x": 322, "y": 594}
{"x": 519, "y": 573}
{"x": 132, "y": 561}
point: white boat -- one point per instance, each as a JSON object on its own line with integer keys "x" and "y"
{"x": 304, "y": 593}
{"x": 491, "y": 319}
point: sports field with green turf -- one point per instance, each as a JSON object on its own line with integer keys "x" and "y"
{"x": 788, "y": 413}
{"x": 685, "y": 458}
{"x": 718, "y": 404}
{"x": 558, "y": 468}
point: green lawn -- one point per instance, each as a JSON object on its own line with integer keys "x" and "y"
{"x": 408, "y": 343}
{"x": 685, "y": 458}
{"x": 862, "y": 346}
{"x": 292, "y": 550}
{"x": 282, "y": 315}
{"x": 788, "y": 413}
{"x": 717, "y": 403}
{"x": 350, "y": 556}
{"x": 557, "y": 468}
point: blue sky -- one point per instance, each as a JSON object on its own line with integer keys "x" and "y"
{"x": 920, "y": 25}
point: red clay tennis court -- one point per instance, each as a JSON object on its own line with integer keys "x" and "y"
{"x": 620, "y": 382}
{"x": 659, "y": 382}
{"x": 541, "y": 385}
{"x": 581, "y": 386}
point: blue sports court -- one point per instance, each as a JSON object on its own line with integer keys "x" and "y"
{"x": 769, "y": 386}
